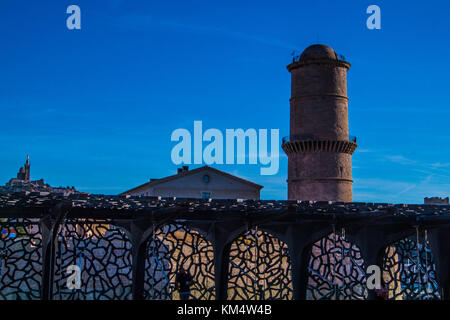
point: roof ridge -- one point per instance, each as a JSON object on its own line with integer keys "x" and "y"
{"x": 189, "y": 172}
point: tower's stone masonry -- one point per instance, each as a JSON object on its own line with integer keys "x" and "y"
{"x": 319, "y": 148}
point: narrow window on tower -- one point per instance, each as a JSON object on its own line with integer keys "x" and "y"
{"x": 206, "y": 195}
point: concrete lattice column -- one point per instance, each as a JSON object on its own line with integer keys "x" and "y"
{"x": 221, "y": 260}
{"x": 440, "y": 248}
{"x": 49, "y": 228}
{"x": 139, "y": 254}
{"x": 299, "y": 244}
{"x": 372, "y": 246}
{"x": 48, "y": 259}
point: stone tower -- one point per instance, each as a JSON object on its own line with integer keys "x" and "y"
{"x": 319, "y": 148}
{"x": 25, "y": 172}
{"x": 27, "y": 169}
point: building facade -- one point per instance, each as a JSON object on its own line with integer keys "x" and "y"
{"x": 204, "y": 182}
{"x": 436, "y": 201}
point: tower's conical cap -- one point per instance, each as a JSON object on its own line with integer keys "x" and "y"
{"x": 318, "y": 52}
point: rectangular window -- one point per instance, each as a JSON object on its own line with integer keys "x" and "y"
{"x": 206, "y": 195}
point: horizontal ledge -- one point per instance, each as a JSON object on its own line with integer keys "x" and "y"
{"x": 309, "y": 146}
{"x": 320, "y": 180}
{"x": 332, "y": 62}
{"x": 299, "y": 97}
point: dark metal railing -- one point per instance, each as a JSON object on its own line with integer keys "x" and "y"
{"x": 310, "y": 137}
{"x": 296, "y": 57}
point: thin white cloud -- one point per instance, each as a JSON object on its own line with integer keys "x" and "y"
{"x": 142, "y": 21}
{"x": 400, "y": 159}
{"x": 93, "y": 189}
{"x": 362, "y": 150}
{"x": 437, "y": 165}
{"x": 226, "y": 32}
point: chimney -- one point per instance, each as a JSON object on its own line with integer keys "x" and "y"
{"x": 179, "y": 171}
{"x": 185, "y": 168}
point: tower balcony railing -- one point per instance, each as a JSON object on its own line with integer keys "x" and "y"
{"x": 296, "y": 57}
{"x": 309, "y": 137}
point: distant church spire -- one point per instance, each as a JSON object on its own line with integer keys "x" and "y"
{"x": 25, "y": 172}
{"x": 27, "y": 169}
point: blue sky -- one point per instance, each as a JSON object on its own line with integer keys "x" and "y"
{"x": 95, "y": 107}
